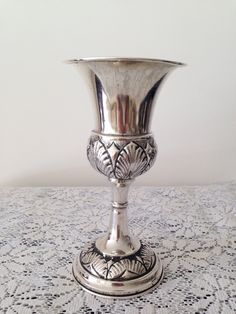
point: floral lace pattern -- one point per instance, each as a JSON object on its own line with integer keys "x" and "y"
{"x": 193, "y": 229}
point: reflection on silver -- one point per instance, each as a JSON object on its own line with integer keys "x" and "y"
{"x": 121, "y": 147}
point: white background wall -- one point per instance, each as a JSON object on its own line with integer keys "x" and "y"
{"x": 45, "y": 114}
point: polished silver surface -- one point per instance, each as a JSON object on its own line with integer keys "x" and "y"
{"x": 121, "y": 147}
{"x": 124, "y": 90}
{"x": 118, "y": 241}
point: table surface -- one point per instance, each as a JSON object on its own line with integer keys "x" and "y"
{"x": 192, "y": 228}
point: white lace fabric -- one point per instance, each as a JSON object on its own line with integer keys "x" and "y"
{"x": 193, "y": 229}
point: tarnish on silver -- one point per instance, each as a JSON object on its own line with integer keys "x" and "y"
{"x": 120, "y": 267}
{"x": 121, "y": 147}
{"x": 121, "y": 158}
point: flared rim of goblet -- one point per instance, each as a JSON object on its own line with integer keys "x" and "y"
{"x": 125, "y": 60}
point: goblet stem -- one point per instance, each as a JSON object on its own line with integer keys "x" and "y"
{"x": 118, "y": 241}
{"x": 118, "y": 265}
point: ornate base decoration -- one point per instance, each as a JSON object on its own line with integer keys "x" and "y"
{"x": 117, "y": 276}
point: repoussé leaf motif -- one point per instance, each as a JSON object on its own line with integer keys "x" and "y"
{"x": 110, "y": 268}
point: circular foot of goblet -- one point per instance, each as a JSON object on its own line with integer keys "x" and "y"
{"x": 117, "y": 276}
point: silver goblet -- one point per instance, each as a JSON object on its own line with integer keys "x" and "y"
{"x": 121, "y": 147}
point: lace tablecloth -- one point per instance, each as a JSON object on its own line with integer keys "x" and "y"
{"x": 193, "y": 229}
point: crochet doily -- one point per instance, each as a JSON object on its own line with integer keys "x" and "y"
{"x": 193, "y": 229}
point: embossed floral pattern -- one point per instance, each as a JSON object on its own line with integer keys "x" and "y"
{"x": 121, "y": 159}
{"x": 110, "y": 268}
